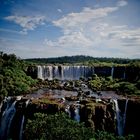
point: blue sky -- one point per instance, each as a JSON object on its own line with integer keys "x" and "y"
{"x": 52, "y": 28}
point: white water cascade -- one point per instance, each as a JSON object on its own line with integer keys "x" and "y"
{"x": 112, "y": 72}
{"x": 40, "y": 72}
{"x": 67, "y": 110}
{"x": 6, "y": 119}
{"x": 64, "y": 72}
{"x": 124, "y": 116}
{"x": 124, "y": 77}
{"x": 50, "y": 69}
{"x": 22, "y": 122}
{"x": 77, "y": 115}
{"x": 121, "y": 119}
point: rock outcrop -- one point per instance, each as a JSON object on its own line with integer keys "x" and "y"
{"x": 133, "y": 118}
{"x": 99, "y": 116}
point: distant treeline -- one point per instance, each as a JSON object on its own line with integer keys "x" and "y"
{"x": 81, "y": 59}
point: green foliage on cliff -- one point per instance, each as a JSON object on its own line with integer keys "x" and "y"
{"x": 101, "y": 83}
{"x": 13, "y": 79}
{"x": 53, "y": 127}
{"x": 123, "y": 87}
{"x": 61, "y": 127}
{"x": 102, "y": 135}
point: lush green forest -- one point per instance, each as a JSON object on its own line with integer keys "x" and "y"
{"x": 123, "y": 87}
{"x": 13, "y": 79}
{"x": 81, "y": 59}
{"x": 61, "y": 127}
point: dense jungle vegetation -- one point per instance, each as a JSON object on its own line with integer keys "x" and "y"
{"x": 13, "y": 79}
{"x": 61, "y": 127}
{"x": 82, "y": 59}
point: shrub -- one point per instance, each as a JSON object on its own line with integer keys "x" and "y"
{"x": 53, "y": 127}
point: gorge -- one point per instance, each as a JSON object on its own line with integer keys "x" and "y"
{"x": 107, "y": 113}
{"x": 98, "y": 96}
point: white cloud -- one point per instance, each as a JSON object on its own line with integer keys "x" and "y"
{"x": 89, "y": 29}
{"x": 75, "y": 39}
{"x": 59, "y": 10}
{"x": 83, "y": 17}
{"x": 27, "y": 22}
{"x": 122, "y": 34}
{"x": 122, "y": 3}
{"x": 11, "y": 31}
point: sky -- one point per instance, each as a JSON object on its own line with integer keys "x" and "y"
{"x": 54, "y": 28}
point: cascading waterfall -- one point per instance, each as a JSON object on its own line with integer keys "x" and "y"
{"x": 124, "y": 116}
{"x": 6, "y": 102}
{"x": 112, "y": 72}
{"x": 40, "y": 72}
{"x": 64, "y": 72}
{"x": 77, "y": 115}
{"x": 50, "y": 68}
{"x": 120, "y": 118}
{"x": 21, "y": 128}
{"x": 56, "y": 72}
{"x": 119, "y": 127}
{"x": 6, "y": 119}
{"x": 1, "y": 104}
{"x": 124, "y": 75}
{"x": 22, "y": 122}
{"x": 67, "y": 110}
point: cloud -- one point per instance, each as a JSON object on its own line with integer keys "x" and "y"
{"x": 26, "y": 49}
{"x": 122, "y": 34}
{"x": 89, "y": 29}
{"x": 11, "y": 31}
{"x": 27, "y": 22}
{"x": 75, "y": 39}
{"x": 83, "y": 17}
{"x": 122, "y": 3}
{"x": 59, "y": 10}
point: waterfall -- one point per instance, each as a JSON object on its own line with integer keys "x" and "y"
{"x": 50, "y": 73}
{"x": 112, "y": 72}
{"x": 124, "y": 116}
{"x": 67, "y": 110}
{"x": 40, "y": 72}
{"x": 64, "y": 73}
{"x": 124, "y": 75}
{"x": 1, "y": 106}
{"x": 6, "y": 120}
{"x": 56, "y": 72}
{"x": 21, "y": 128}
{"x": 22, "y": 122}
{"x": 93, "y": 70}
{"x": 6, "y": 102}
{"x": 120, "y": 118}
{"x": 77, "y": 116}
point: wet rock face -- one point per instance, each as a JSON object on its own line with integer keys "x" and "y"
{"x": 132, "y": 73}
{"x": 110, "y": 122}
{"x": 32, "y": 71}
{"x": 133, "y": 118}
{"x": 103, "y": 71}
{"x": 98, "y": 116}
{"x": 49, "y": 108}
{"x": 119, "y": 72}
